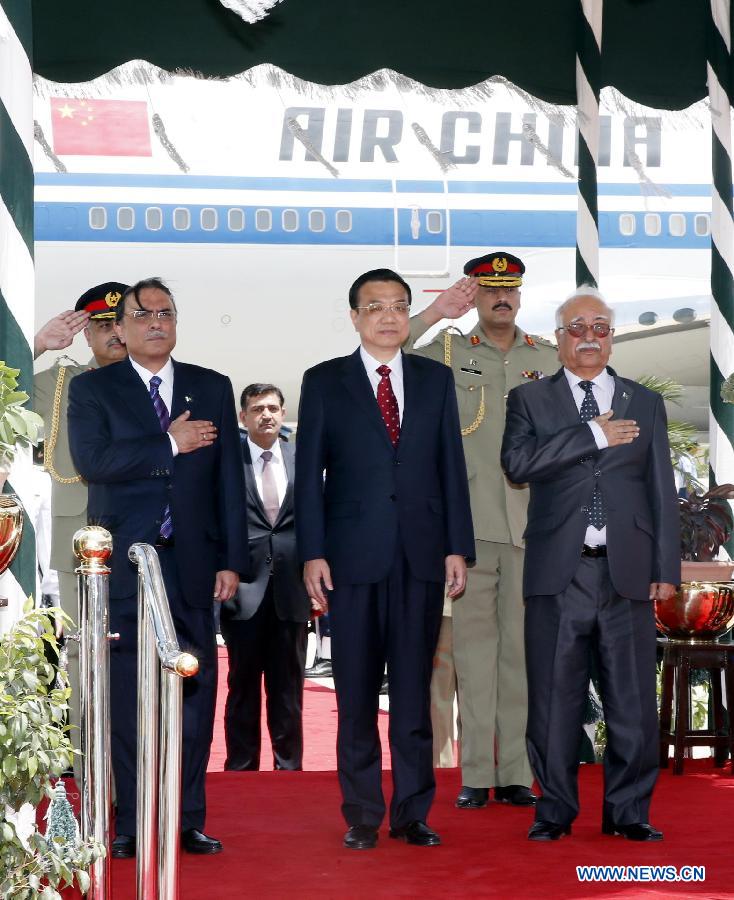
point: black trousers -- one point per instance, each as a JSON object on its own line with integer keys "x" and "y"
{"x": 561, "y": 633}
{"x": 264, "y": 646}
{"x": 395, "y": 621}
{"x": 195, "y": 631}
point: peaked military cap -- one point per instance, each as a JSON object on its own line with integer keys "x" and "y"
{"x": 498, "y": 269}
{"x": 100, "y": 301}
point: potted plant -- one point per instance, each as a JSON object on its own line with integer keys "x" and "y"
{"x": 706, "y": 523}
{"x": 35, "y": 749}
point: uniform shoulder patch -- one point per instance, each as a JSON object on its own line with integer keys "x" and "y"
{"x": 532, "y": 339}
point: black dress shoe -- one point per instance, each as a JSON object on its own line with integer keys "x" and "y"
{"x": 516, "y": 794}
{"x": 123, "y": 846}
{"x": 417, "y": 833}
{"x": 547, "y": 831}
{"x": 361, "y": 837}
{"x": 321, "y": 668}
{"x": 637, "y": 831}
{"x": 472, "y": 798}
{"x": 194, "y": 841}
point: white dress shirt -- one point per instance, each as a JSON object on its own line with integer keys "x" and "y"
{"x": 165, "y": 388}
{"x": 603, "y": 391}
{"x": 396, "y": 375}
{"x": 277, "y": 467}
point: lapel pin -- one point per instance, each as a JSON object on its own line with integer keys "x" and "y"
{"x": 188, "y": 399}
{"x": 625, "y": 395}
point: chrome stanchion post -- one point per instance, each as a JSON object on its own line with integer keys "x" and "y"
{"x": 147, "y": 791}
{"x": 169, "y": 814}
{"x": 93, "y": 546}
{"x": 161, "y": 666}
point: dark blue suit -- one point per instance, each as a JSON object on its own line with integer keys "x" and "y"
{"x": 384, "y": 519}
{"x": 118, "y": 446}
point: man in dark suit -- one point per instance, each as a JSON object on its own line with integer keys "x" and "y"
{"x": 157, "y": 442}
{"x": 383, "y": 519}
{"x": 602, "y": 542}
{"x": 264, "y": 624}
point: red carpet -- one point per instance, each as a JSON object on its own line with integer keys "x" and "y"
{"x": 282, "y": 833}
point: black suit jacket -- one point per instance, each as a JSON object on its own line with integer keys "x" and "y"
{"x": 118, "y": 447}
{"x": 544, "y": 443}
{"x": 273, "y": 552}
{"x": 371, "y": 494}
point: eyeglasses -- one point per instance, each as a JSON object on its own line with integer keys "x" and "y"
{"x": 377, "y": 309}
{"x": 579, "y": 329}
{"x": 147, "y": 315}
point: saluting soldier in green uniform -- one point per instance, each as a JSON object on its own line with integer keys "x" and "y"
{"x": 488, "y": 639}
{"x": 95, "y": 313}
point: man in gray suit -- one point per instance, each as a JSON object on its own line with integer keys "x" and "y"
{"x": 264, "y": 624}
{"x": 602, "y": 542}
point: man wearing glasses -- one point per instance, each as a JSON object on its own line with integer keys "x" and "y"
{"x": 602, "y": 542}
{"x": 384, "y": 527}
{"x": 487, "y": 622}
{"x": 157, "y": 441}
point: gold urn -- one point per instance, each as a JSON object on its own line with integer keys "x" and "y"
{"x": 11, "y": 528}
{"x": 698, "y": 611}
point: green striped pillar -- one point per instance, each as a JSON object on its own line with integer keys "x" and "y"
{"x": 721, "y": 416}
{"x": 16, "y": 259}
{"x": 588, "y": 84}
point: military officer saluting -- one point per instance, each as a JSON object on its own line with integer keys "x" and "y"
{"x": 94, "y": 312}
{"x": 488, "y": 640}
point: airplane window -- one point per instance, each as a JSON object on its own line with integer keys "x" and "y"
{"x": 289, "y": 220}
{"x": 677, "y": 225}
{"x": 125, "y": 218}
{"x": 97, "y": 217}
{"x": 208, "y": 219}
{"x": 263, "y": 220}
{"x": 702, "y": 224}
{"x": 181, "y": 219}
{"x": 434, "y": 222}
{"x": 653, "y": 224}
{"x": 153, "y": 218}
{"x": 627, "y": 224}
{"x": 236, "y": 220}
{"x": 316, "y": 220}
{"x": 343, "y": 220}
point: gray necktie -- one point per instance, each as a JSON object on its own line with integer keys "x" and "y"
{"x": 597, "y": 515}
{"x": 270, "y": 491}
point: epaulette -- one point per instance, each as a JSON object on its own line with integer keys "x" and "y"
{"x": 67, "y": 361}
{"x": 532, "y": 339}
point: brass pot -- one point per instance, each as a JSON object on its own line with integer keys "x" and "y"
{"x": 698, "y": 611}
{"x": 11, "y": 528}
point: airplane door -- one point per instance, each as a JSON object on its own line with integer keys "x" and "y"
{"x": 422, "y": 228}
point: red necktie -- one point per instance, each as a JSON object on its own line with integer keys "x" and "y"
{"x": 388, "y": 403}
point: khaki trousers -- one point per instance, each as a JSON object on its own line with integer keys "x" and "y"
{"x": 443, "y": 691}
{"x": 70, "y": 605}
{"x": 489, "y": 654}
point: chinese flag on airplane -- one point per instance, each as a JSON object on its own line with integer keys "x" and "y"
{"x": 100, "y": 127}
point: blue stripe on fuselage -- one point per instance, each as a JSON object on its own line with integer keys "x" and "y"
{"x": 69, "y": 222}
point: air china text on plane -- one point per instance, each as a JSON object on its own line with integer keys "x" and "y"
{"x": 467, "y": 137}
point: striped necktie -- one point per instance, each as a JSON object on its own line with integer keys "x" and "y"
{"x": 165, "y": 420}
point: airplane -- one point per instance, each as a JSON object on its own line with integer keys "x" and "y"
{"x": 259, "y": 202}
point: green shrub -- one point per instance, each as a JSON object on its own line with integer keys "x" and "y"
{"x": 34, "y": 749}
